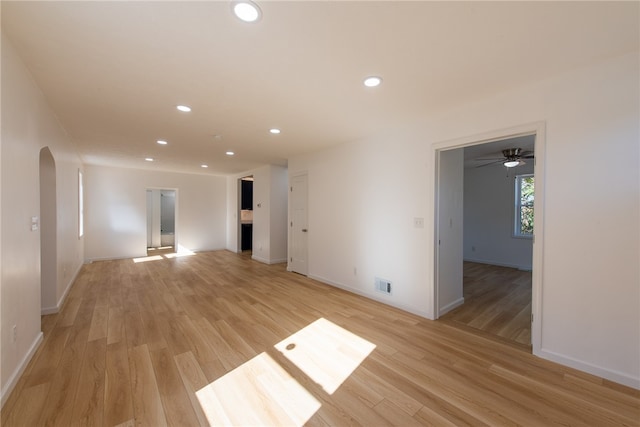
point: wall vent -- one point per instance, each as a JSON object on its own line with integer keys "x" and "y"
{"x": 383, "y": 285}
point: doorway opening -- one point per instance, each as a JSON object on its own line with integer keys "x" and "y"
{"x": 298, "y": 225}
{"x": 48, "y": 233}
{"x": 487, "y": 261}
{"x": 161, "y": 221}
{"x": 245, "y": 214}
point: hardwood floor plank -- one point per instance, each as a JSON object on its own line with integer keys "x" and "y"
{"x": 45, "y": 364}
{"x": 497, "y": 302}
{"x": 115, "y": 325}
{"x": 99, "y": 322}
{"x": 193, "y": 379}
{"x": 59, "y": 405}
{"x": 175, "y": 401}
{"x": 88, "y": 406}
{"x": 72, "y": 305}
{"x": 118, "y": 400}
{"x": 136, "y": 343}
{"x": 147, "y": 404}
{"x": 394, "y": 415}
{"x": 23, "y": 413}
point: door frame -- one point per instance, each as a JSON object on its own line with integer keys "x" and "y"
{"x": 175, "y": 214}
{"x": 537, "y": 128}
{"x": 239, "y": 212}
{"x": 290, "y": 219}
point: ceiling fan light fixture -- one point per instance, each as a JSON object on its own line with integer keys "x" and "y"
{"x": 511, "y": 163}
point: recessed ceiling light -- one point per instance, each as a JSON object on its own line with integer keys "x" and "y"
{"x": 229, "y": 153}
{"x": 184, "y": 108}
{"x": 204, "y": 166}
{"x": 162, "y": 142}
{"x": 372, "y": 81}
{"x": 246, "y": 10}
{"x": 274, "y": 131}
{"x": 149, "y": 159}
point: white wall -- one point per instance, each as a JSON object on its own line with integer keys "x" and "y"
{"x": 364, "y": 195}
{"x": 278, "y": 215}
{"x": 269, "y": 213}
{"x": 489, "y": 201}
{"x": 28, "y": 125}
{"x": 450, "y": 232}
{"x": 116, "y": 210}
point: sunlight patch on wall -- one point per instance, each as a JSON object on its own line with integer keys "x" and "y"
{"x": 259, "y": 392}
{"x": 327, "y": 353}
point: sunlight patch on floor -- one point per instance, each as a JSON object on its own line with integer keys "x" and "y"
{"x": 163, "y": 253}
{"x": 147, "y": 258}
{"x": 259, "y": 392}
{"x": 182, "y": 251}
{"x": 327, "y": 353}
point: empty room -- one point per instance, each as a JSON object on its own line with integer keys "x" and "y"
{"x": 320, "y": 213}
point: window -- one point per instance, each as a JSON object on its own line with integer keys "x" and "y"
{"x": 524, "y": 206}
{"x": 80, "y": 205}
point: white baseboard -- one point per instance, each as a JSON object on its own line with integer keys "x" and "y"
{"x": 52, "y": 310}
{"x": 13, "y": 380}
{"x": 500, "y": 264}
{"x": 447, "y": 308}
{"x": 380, "y": 297}
{"x": 268, "y": 261}
{"x": 609, "y": 374}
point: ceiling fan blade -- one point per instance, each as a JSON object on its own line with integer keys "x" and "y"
{"x": 484, "y": 159}
{"x": 490, "y": 163}
{"x": 528, "y": 156}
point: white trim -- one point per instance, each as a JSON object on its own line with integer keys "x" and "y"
{"x": 268, "y": 261}
{"x": 61, "y": 300}
{"x": 615, "y": 376}
{"x": 378, "y": 296}
{"x": 13, "y": 380}
{"x": 535, "y": 128}
{"x": 447, "y": 308}
{"x": 499, "y": 264}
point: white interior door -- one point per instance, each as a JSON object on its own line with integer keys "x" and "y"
{"x": 298, "y": 225}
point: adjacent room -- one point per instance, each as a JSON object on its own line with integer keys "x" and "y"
{"x": 498, "y": 229}
{"x": 320, "y": 213}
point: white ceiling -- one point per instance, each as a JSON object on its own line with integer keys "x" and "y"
{"x": 113, "y": 72}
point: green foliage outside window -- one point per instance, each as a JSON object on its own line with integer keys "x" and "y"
{"x": 525, "y": 192}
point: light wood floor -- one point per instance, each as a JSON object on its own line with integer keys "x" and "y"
{"x": 184, "y": 340}
{"x": 497, "y": 303}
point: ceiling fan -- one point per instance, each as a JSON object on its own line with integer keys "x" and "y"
{"x": 512, "y": 157}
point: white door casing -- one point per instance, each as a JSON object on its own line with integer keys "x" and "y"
{"x": 449, "y": 232}
{"x": 298, "y": 224}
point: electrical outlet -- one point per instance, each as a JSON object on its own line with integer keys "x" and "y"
{"x": 15, "y": 333}
{"x": 418, "y": 222}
